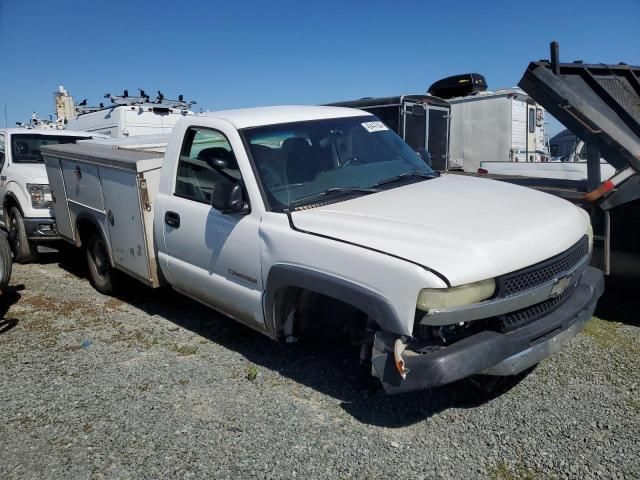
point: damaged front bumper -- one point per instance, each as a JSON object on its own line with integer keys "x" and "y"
{"x": 490, "y": 352}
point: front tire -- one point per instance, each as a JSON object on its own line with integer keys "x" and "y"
{"x": 6, "y": 262}
{"x": 101, "y": 273}
{"x": 24, "y": 250}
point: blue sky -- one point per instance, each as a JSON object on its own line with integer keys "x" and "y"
{"x": 249, "y": 53}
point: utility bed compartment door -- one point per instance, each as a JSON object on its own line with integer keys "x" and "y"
{"x": 124, "y": 220}
{"x": 83, "y": 184}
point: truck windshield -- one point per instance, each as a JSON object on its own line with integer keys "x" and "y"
{"x": 25, "y": 148}
{"x": 336, "y": 156}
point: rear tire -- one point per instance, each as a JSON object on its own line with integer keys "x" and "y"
{"x": 6, "y": 262}
{"x": 24, "y": 250}
{"x": 101, "y": 273}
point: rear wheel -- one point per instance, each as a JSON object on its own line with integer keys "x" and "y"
{"x": 6, "y": 262}
{"x": 101, "y": 273}
{"x": 24, "y": 250}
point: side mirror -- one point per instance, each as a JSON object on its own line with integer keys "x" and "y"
{"x": 219, "y": 163}
{"x": 227, "y": 197}
{"x": 424, "y": 155}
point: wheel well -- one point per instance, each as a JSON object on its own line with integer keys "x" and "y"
{"x": 10, "y": 202}
{"x": 305, "y": 314}
{"x": 85, "y": 229}
{"x": 285, "y": 284}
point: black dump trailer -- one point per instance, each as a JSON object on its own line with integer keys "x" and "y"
{"x": 600, "y": 104}
{"x": 421, "y": 120}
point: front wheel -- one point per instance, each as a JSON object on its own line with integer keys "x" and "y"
{"x": 5, "y": 262}
{"x": 101, "y": 273}
{"x": 24, "y": 250}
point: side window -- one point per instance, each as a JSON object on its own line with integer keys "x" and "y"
{"x": 532, "y": 120}
{"x": 2, "y": 150}
{"x": 206, "y": 159}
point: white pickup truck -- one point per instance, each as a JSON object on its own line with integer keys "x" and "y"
{"x": 304, "y": 220}
{"x": 24, "y": 191}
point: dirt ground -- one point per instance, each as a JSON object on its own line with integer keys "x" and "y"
{"x": 153, "y": 385}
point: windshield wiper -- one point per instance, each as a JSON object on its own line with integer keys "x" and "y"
{"x": 403, "y": 176}
{"x": 331, "y": 191}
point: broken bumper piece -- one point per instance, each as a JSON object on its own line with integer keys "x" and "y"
{"x": 489, "y": 352}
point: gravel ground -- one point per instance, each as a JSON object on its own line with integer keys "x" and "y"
{"x": 153, "y": 385}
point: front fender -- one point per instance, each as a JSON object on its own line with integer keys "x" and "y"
{"x": 370, "y": 302}
{"x": 13, "y": 190}
{"x": 17, "y": 191}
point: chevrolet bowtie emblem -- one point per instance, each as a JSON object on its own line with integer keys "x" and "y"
{"x": 560, "y": 286}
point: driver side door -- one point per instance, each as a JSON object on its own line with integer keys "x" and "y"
{"x": 212, "y": 256}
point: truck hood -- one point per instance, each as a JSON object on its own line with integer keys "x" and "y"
{"x": 30, "y": 172}
{"x": 465, "y": 228}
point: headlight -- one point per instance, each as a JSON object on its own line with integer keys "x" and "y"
{"x": 40, "y": 195}
{"x": 444, "y": 298}
{"x": 590, "y": 234}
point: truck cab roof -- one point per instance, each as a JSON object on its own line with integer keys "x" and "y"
{"x": 261, "y": 116}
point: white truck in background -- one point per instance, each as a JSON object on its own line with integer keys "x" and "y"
{"x": 500, "y": 128}
{"x": 300, "y": 220}
{"x": 25, "y": 197}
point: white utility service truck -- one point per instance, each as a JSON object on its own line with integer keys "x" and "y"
{"x": 127, "y": 116}
{"x": 277, "y": 215}
{"x": 24, "y": 188}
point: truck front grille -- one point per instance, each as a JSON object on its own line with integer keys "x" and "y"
{"x": 520, "y": 318}
{"x": 543, "y": 272}
{"x": 536, "y": 275}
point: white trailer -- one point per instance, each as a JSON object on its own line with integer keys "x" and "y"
{"x": 501, "y": 126}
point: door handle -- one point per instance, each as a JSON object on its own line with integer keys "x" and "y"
{"x": 172, "y": 219}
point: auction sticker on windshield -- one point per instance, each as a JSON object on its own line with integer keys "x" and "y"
{"x": 374, "y": 126}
